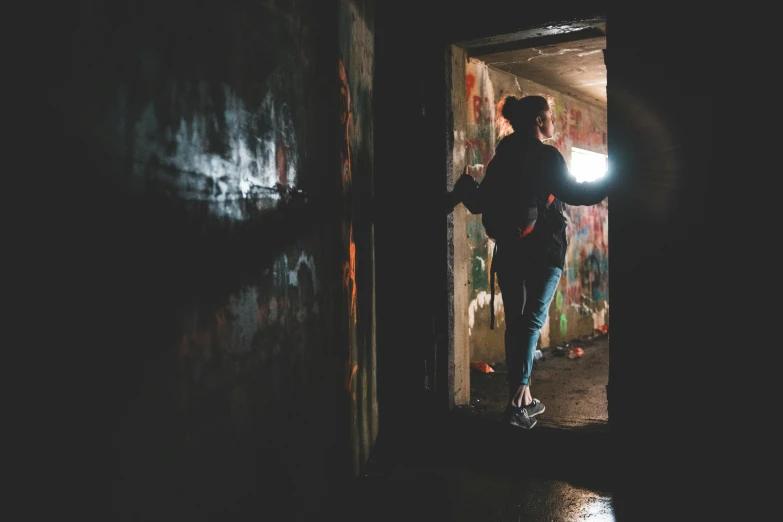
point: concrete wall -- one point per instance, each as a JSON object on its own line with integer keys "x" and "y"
{"x": 581, "y": 302}
{"x": 221, "y": 155}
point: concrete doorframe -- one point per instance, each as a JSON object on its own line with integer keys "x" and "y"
{"x": 457, "y": 237}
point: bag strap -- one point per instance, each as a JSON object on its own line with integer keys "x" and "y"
{"x": 492, "y": 289}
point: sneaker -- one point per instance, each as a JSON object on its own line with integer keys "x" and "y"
{"x": 519, "y": 417}
{"x": 535, "y": 408}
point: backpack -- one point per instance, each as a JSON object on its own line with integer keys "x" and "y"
{"x": 497, "y": 225}
{"x": 497, "y": 199}
{"x": 505, "y": 212}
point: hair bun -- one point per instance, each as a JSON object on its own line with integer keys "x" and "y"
{"x": 508, "y": 106}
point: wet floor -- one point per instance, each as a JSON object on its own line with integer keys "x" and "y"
{"x": 473, "y": 469}
{"x": 467, "y": 466}
{"x": 464, "y": 495}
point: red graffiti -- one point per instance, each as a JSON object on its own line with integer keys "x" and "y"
{"x": 477, "y": 109}
{"x": 480, "y": 113}
{"x": 470, "y": 82}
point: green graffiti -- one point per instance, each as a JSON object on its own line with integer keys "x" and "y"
{"x": 559, "y": 300}
{"x": 563, "y": 325}
{"x": 479, "y": 275}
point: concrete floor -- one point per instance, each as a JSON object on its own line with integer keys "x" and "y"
{"x": 467, "y": 466}
{"x": 573, "y": 390}
{"x": 473, "y": 468}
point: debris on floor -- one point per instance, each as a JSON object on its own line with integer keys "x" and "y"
{"x": 482, "y": 367}
{"x": 558, "y": 351}
{"x": 575, "y": 352}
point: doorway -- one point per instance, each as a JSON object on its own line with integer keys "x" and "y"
{"x": 571, "y": 371}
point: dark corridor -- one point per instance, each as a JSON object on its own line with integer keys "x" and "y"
{"x": 240, "y": 267}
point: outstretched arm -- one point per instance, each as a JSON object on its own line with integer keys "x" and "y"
{"x": 565, "y": 187}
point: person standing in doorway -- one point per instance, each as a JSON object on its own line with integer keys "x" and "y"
{"x": 521, "y": 201}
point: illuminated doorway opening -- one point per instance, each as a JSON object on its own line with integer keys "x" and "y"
{"x": 567, "y": 68}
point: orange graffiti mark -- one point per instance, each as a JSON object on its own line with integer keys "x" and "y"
{"x": 477, "y": 109}
{"x": 349, "y": 275}
{"x": 350, "y": 374}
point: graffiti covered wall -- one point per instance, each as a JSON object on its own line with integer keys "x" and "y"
{"x": 581, "y": 303}
{"x": 227, "y": 241}
{"x": 480, "y": 146}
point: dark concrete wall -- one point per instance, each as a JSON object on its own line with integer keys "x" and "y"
{"x": 357, "y": 67}
{"x": 227, "y": 257}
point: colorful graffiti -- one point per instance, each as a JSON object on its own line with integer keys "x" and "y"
{"x": 480, "y": 147}
{"x": 578, "y": 126}
{"x": 583, "y": 295}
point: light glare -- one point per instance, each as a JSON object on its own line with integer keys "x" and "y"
{"x": 587, "y": 165}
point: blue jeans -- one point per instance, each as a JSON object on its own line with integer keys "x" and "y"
{"x": 527, "y": 295}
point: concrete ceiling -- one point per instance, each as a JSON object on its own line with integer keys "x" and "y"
{"x": 575, "y": 67}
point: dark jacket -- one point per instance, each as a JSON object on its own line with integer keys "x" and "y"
{"x": 519, "y": 183}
